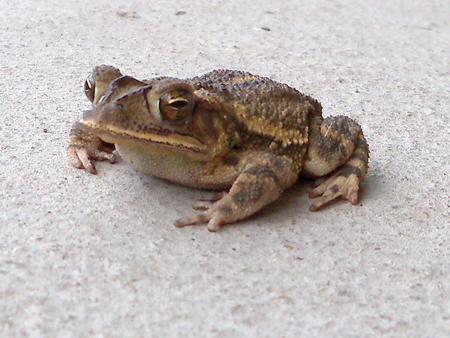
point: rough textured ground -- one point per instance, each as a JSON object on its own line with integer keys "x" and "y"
{"x": 98, "y": 256}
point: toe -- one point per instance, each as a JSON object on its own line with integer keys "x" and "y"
{"x": 86, "y": 161}
{"x": 333, "y": 188}
{"x": 207, "y": 204}
{"x": 73, "y": 156}
{"x": 213, "y": 226}
{"x": 199, "y": 218}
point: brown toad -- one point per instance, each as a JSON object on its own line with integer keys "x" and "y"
{"x": 223, "y": 130}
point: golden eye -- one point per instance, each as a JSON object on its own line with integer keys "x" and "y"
{"x": 176, "y": 105}
{"x": 89, "y": 88}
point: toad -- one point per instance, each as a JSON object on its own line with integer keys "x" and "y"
{"x": 244, "y": 135}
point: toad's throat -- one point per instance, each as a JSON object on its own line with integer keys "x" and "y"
{"x": 113, "y": 134}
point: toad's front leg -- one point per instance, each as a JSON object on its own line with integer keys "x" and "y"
{"x": 84, "y": 148}
{"x": 262, "y": 180}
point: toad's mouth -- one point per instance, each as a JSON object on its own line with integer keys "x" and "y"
{"x": 165, "y": 138}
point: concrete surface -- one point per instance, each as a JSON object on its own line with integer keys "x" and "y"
{"x": 98, "y": 256}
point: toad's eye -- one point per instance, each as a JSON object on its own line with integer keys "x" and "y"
{"x": 89, "y": 88}
{"x": 176, "y": 105}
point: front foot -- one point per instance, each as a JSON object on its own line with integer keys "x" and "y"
{"x": 214, "y": 219}
{"x": 214, "y": 213}
{"x": 262, "y": 180}
{"x": 84, "y": 148}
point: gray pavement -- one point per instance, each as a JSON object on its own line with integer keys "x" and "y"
{"x": 98, "y": 256}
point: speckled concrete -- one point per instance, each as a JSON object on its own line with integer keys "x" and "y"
{"x": 98, "y": 256}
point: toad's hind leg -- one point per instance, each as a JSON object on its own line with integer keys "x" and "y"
{"x": 338, "y": 148}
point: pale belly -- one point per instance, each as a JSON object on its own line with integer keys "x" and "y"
{"x": 176, "y": 167}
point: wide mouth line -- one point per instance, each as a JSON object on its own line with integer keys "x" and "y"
{"x": 168, "y": 139}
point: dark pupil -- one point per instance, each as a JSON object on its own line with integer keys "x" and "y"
{"x": 178, "y": 104}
